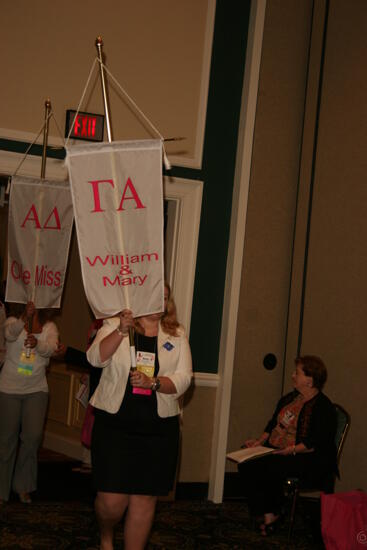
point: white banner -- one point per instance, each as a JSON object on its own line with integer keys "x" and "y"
{"x": 118, "y": 206}
{"x": 39, "y": 231}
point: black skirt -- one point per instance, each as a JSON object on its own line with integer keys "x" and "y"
{"x": 135, "y": 451}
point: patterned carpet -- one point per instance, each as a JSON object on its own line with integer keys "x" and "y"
{"x": 62, "y": 517}
{"x": 178, "y": 525}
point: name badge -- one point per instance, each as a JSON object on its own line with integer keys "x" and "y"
{"x": 26, "y": 364}
{"x": 287, "y": 418}
{"x": 145, "y": 363}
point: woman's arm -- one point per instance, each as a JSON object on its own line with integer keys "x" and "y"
{"x": 270, "y": 425}
{"x": 256, "y": 442}
{"x": 48, "y": 345}
{"x": 299, "y": 448}
{"x": 71, "y": 355}
{"x": 12, "y": 328}
{"x": 110, "y": 343}
{"x": 321, "y": 433}
{"x": 107, "y": 340}
{"x": 177, "y": 382}
{"x": 108, "y": 346}
{"x": 182, "y": 376}
{"x": 140, "y": 380}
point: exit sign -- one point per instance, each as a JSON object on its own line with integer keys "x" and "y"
{"x": 87, "y": 126}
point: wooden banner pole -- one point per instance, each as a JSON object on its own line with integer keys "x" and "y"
{"x": 99, "y": 44}
{"x": 45, "y": 137}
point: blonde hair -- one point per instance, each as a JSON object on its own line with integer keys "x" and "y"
{"x": 169, "y": 321}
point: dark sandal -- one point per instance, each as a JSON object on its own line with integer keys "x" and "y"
{"x": 268, "y": 529}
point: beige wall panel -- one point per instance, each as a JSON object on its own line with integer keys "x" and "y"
{"x": 67, "y": 438}
{"x": 197, "y": 431}
{"x": 64, "y": 383}
{"x": 155, "y": 50}
{"x": 60, "y": 386}
{"x": 335, "y": 315}
{"x": 314, "y": 76}
{"x": 264, "y": 295}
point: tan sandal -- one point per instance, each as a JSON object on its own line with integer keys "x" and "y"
{"x": 267, "y": 529}
{"x": 25, "y": 498}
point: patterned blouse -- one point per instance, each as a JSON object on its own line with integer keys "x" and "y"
{"x": 284, "y": 433}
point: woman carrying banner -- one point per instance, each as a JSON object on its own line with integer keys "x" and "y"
{"x": 31, "y": 339}
{"x": 136, "y": 431}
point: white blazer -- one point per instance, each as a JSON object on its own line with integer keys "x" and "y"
{"x": 174, "y": 362}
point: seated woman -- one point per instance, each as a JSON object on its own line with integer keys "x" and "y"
{"x": 302, "y": 430}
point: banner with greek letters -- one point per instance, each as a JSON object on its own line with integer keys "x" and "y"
{"x": 39, "y": 231}
{"x": 118, "y": 207}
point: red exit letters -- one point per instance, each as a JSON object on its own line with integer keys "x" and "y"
{"x": 84, "y": 126}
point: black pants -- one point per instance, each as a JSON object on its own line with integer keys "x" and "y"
{"x": 263, "y": 478}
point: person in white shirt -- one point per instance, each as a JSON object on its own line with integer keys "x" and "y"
{"x": 31, "y": 339}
